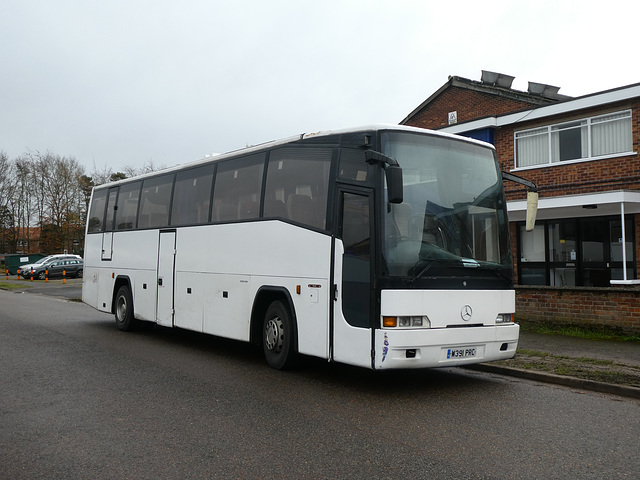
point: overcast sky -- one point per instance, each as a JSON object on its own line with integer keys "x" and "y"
{"x": 119, "y": 83}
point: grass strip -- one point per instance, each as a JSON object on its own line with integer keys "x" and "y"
{"x": 588, "y": 333}
{"x": 605, "y": 371}
{"x": 13, "y": 286}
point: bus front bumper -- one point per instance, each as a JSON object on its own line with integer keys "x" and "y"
{"x": 444, "y": 347}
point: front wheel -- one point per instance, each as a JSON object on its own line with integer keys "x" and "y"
{"x": 125, "y": 320}
{"x": 278, "y": 337}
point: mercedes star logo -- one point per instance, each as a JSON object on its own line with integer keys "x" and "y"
{"x": 466, "y": 313}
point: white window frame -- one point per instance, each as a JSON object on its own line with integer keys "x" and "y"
{"x": 550, "y": 153}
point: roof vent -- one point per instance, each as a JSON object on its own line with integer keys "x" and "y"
{"x": 497, "y": 79}
{"x": 543, "y": 90}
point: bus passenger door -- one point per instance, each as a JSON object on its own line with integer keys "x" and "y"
{"x": 166, "y": 265}
{"x": 353, "y": 266}
{"x": 109, "y": 224}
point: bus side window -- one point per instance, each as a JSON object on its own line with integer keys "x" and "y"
{"x": 127, "y": 211}
{"x": 236, "y": 193}
{"x": 297, "y": 185}
{"x": 354, "y": 168}
{"x": 154, "y": 202}
{"x": 110, "y": 218}
{"x": 96, "y": 215}
{"x": 192, "y": 196}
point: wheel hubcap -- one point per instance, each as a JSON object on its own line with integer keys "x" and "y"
{"x": 121, "y": 308}
{"x": 274, "y": 335}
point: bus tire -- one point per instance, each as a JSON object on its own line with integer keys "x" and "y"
{"x": 278, "y": 336}
{"x": 123, "y": 308}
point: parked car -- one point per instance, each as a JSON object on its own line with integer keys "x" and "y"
{"x": 57, "y": 267}
{"x": 26, "y": 269}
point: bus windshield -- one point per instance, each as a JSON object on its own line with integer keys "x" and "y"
{"x": 453, "y": 213}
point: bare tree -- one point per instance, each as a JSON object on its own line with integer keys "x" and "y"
{"x": 7, "y": 227}
{"x": 100, "y": 176}
{"x": 49, "y": 192}
{"x": 129, "y": 171}
{"x": 59, "y": 199}
{"x": 21, "y": 203}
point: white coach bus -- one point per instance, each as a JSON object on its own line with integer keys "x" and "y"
{"x": 383, "y": 247}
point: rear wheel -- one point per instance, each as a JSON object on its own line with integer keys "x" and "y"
{"x": 278, "y": 336}
{"x": 79, "y": 274}
{"x": 125, "y": 320}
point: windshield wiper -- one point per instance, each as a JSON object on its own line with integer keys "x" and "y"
{"x": 426, "y": 268}
{"x": 458, "y": 262}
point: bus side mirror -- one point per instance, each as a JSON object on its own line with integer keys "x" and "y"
{"x": 532, "y": 210}
{"x": 392, "y": 171}
{"x": 394, "y": 183}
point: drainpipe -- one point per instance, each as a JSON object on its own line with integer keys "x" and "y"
{"x": 624, "y": 244}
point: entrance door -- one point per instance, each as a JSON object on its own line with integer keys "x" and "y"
{"x": 353, "y": 265}
{"x": 166, "y": 264}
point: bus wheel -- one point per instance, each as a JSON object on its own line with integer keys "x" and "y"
{"x": 124, "y": 310}
{"x": 278, "y": 337}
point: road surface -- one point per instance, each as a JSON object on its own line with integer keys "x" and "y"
{"x": 81, "y": 400}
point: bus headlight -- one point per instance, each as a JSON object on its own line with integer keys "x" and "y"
{"x": 505, "y": 318}
{"x": 406, "y": 321}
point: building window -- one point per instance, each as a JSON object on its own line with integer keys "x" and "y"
{"x": 575, "y": 252}
{"x": 584, "y": 139}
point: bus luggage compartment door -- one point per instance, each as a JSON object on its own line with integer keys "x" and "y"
{"x": 166, "y": 265}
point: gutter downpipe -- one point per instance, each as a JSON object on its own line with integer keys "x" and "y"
{"x": 624, "y": 244}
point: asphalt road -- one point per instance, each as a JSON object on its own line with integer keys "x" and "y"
{"x": 80, "y": 400}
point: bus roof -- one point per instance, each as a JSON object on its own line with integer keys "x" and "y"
{"x": 296, "y": 138}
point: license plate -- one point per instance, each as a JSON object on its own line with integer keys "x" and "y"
{"x": 463, "y": 352}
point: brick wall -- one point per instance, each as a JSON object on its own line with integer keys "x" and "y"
{"x": 619, "y": 173}
{"x": 615, "y": 308}
{"x": 469, "y": 104}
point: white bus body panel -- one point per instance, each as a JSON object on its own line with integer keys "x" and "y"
{"x": 189, "y": 301}
{"x": 135, "y": 255}
{"x": 228, "y": 302}
{"x": 448, "y": 328}
{"x": 351, "y": 345}
{"x": 218, "y": 271}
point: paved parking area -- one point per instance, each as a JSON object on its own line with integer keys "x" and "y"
{"x": 70, "y": 288}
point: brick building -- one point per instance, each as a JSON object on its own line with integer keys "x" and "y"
{"x": 579, "y": 264}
